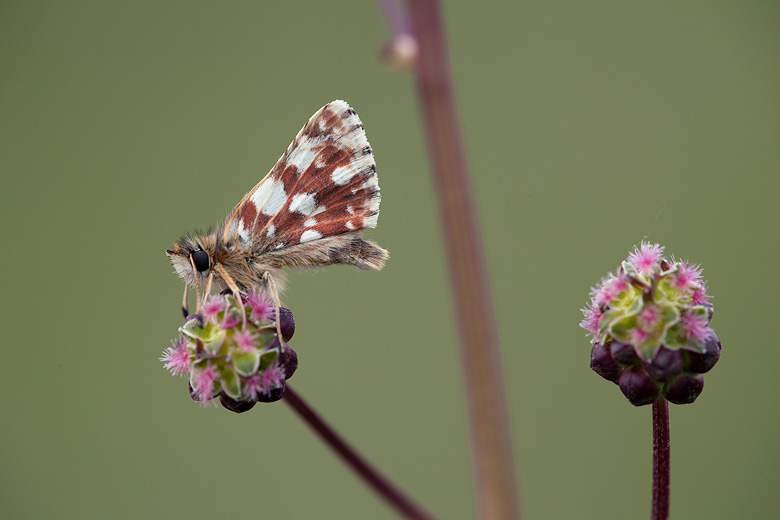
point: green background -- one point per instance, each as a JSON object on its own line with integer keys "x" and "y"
{"x": 590, "y": 126}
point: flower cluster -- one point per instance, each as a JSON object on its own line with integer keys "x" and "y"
{"x": 236, "y": 357}
{"x": 650, "y": 328}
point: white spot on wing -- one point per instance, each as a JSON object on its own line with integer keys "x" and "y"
{"x": 303, "y": 154}
{"x": 309, "y": 235}
{"x": 311, "y": 221}
{"x": 350, "y": 225}
{"x": 343, "y": 174}
{"x": 370, "y": 222}
{"x": 276, "y": 199}
{"x": 261, "y": 194}
{"x": 271, "y": 230}
{"x": 303, "y": 203}
{"x": 242, "y": 231}
{"x": 372, "y": 204}
{"x": 371, "y": 182}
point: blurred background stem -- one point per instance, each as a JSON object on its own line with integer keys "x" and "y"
{"x": 483, "y": 380}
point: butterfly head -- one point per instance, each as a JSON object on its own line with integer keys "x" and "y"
{"x": 192, "y": 258}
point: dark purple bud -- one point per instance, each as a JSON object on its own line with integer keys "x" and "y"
{"x": 638, "y": 387}
{"x": 624, "y": 354}
{"x": 685, "y": 389}
{"x": 702, "y": 362}
{"x": 602, "y": 363}
{"x": 235, "y": 406}
{"x": 273, "y": 396}
{"x": 286, "y": 323}
{"x": 288, "y": 361}
{"x": 666, "y": 363}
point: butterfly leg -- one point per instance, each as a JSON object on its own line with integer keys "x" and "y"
{"x": 184, "y": 301}
{"x": 198, "y": 303}
{"x": 236, "y": 292}
{"x": 207, "y": 290}
{"x": 268, "y": 279}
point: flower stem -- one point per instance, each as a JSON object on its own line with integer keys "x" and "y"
{"x": 404, "y": 505}
{"x": 660, "y": 509}
{"x": 491, "y": 446}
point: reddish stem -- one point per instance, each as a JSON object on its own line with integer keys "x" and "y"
{"x": 660, "y": 508}
{"x": 493, "y": 461}
{"x": 404, "y": 505}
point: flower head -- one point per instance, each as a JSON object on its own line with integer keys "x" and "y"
{"x": 236, "y": 357}
{"x": 652, "y": 317}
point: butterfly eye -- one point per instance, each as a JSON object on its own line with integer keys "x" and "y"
{"x": 201, "y": 260}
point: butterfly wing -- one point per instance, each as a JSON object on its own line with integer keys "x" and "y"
{"x": 323, "y": 186}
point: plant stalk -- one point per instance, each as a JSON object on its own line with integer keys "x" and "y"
{"x": 403, "y": 504}
{"x": 660, "y": 507}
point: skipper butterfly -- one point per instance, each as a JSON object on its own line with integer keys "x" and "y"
{"x": 308, "y": 211}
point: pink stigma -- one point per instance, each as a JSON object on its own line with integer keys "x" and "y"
{"x": 638, "y": 335}
{"x": 203, "y": 382}
{"x": 177, "y": 358}
{"x": 606, "y": 292}
{"x": 262, "y": 307}
{"x": 230, "y": 320}
{"x": 253, "y": 387}
{"x": 695, "y": 326}
{"x": 245, "y": 340}
{"x": 699, "y": 296}
{"x": 591, "y": 320}
{"x": 686, "y": 276}
{"x": 649, "y": 316}
{"x": 646, "y": 257}
{"x": 212, "y": 307}
{"x": 272, "y": 377}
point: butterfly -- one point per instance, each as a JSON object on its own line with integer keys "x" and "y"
{"x": 309, "y": 211}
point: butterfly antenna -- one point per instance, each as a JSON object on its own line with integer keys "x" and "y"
{"x": 234, "y": 288}
{"x": 275, "y": 297}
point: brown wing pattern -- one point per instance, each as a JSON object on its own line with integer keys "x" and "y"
{"x": 324, "y": 185}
